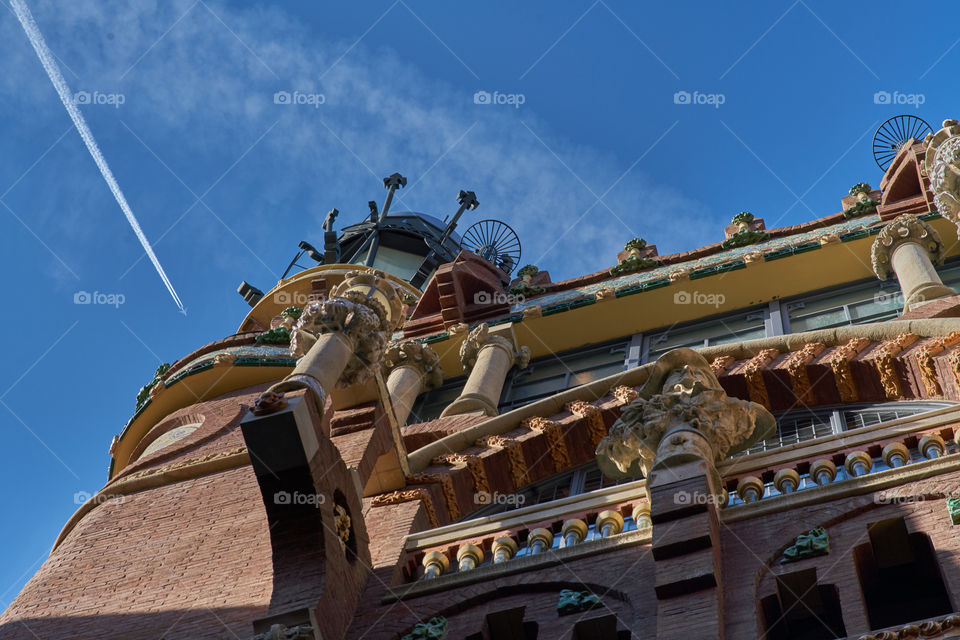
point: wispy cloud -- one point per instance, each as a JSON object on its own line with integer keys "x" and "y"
{"x": 202, "y": 93}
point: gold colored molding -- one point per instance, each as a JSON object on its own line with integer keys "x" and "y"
{"x": 840, "y": 363}
{"x": 555, "y": 441}
{"x": 886, "y": 364}
{"x": 869, "y": 483}
{"x": 852, "y": 338}
{"x": 409, "y": 495}
{"x": 796, "y": 365}
{"x": 524, "y": 517}
{"x": 753, "y": 372}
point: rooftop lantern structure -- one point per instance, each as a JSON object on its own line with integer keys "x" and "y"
{"x": 406, "y": 244}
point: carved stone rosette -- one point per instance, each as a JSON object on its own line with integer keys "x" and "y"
{"x": 942, "y": 165}
{"x": 681, "y": 413}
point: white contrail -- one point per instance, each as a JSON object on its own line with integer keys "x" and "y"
{"x": 46, "y": 59}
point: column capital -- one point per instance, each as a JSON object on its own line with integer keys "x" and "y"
{"x": 364, "y": 309}
{"x": 942, "y": 164}
{"x": 481, "y": 336}
{"x": 340, "y": 341}
{"x": 681, "y": 413}
{"x": 416, "y": 355}
{"x": 903, "y": 229}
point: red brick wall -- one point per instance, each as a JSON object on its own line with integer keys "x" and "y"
{"x": 751, "y": 545}
{"x": 623, "y": 579}
{"x": 189, "y": 560}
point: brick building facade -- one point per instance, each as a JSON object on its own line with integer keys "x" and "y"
{"x": 756, "y": 438}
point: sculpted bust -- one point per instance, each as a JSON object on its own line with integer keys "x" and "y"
{"x": 681, "y": 413}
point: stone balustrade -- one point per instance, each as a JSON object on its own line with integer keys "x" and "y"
{"x": 501, "y": 546}
{"x": 839, "y": 465}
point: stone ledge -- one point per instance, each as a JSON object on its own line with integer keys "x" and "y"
{"x": 843, "y": 489}
{"x": 825, "y": 445}
{"x": 518, "y": 565}
{"x": 554, "y": 509}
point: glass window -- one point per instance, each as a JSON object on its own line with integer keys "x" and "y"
{"x": 554, "y": 373}
{"x": 544, "y": 377}
{"x": 872, "y": 301}
{"x": 744, "y": 326}
{"x": 800, "y": 425}
{"x": 432, "y": 403}
{"x": 570, "y": 483}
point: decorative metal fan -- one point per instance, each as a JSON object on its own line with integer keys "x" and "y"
{"x": 495, "y": 242}
{"x": 893, "y": 133}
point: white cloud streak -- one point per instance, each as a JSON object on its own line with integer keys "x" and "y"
{"x": 66, "y": 97}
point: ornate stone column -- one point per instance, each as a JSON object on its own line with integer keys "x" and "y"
{"x": 487, "y": 355}
{"x": 680, "y": 425}
{"x": 410, "y": 369}
{"x": 909, "y": 247}
{"x": 339, "y": 341}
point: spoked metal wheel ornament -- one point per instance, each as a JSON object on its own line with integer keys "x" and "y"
{"x": 495, "y": 242}
{"x": 893, "y": 133}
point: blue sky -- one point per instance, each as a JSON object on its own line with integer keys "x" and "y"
{"x": 225, "y": 181}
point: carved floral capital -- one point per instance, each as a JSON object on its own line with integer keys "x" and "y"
{"x": 681, "y": 395}
{"x": 417, "y": 355}
{"x": 480, "y": 337}
{"x": 903, "y": 229}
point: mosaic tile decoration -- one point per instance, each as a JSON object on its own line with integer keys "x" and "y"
{"x": 716, "y": 259}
